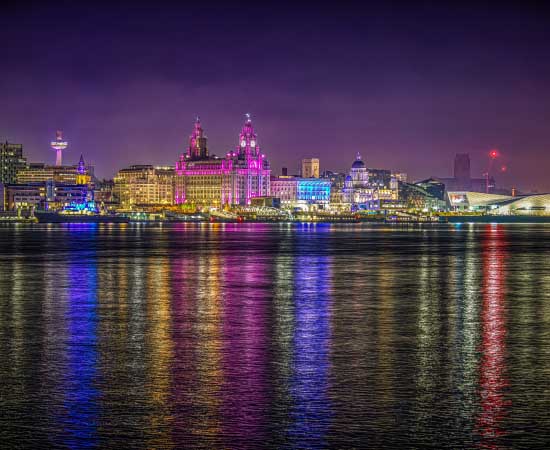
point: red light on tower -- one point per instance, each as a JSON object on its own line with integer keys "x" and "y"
{"x": 503, "y": 168}
{"x": 493, "y": 154}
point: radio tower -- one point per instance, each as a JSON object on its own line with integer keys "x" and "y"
{"x": 59, "y": 145}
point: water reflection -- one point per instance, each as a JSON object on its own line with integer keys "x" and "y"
{"x": 281, "y": 336}
{"x": 81, "y": 318}
{"x": 493, "y": 375}
{"x": 311, "y": 412}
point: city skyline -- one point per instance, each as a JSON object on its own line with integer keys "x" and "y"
{"x": 408, "y": 87}
{"x": 296, "y": 165}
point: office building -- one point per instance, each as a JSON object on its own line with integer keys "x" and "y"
{"x": 310, "y": 168}
{"x": 205, "y": 180}
{"x": 303, "y": 193}
{"x": 144, "y": 185}
{"x": 40, "y": 173}
{"x": 11, "y": 161}
{"x": 462, "y": 179}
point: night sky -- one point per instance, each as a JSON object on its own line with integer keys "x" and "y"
{"x": 407, "y": 86}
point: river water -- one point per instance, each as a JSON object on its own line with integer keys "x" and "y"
{"x": 274, "y": 336}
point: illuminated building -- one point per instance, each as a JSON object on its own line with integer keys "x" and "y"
{"x": 310, "y": 168}
{"x": 301, "y": 193}
{"x": 531, "y": 205}
{"x": 433, "y": 187}
{"x": 25, "y": 196}
{"x": 400, "y": 176}
{"x": 11, "y": 161}
{"x": 58, "y": 146}
{"x": 40, "y": 173}
{"x": 266, "y": 202}
{"x": 82, "y": 176}
{"x": 206, "y": 180}
{"x": 144, "y": 185}
{"x": 419, "y": 197}
{"x": 369, "y": 189}
{"x": 46, "y": 195}
{"x": 103, "y": 192}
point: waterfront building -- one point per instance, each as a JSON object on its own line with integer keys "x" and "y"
{"x": 103, "y": 191}
{"x": 303, "y": 193}
{"x": 496, "y": 204}
{"x": 205, "y": 180}
{"x": 369, "y": 189}
{"x": 11, "y": 161}
{"x": 266, "y": 202}
{"x": 40, "y": 173}
{"x": 144, "y": 185}
{"x": 418, "y": 197}
{"x": 28, "y": 195}
{"x": 310, "y": 168}
{"x": 82, "y": 176}
{"x": 2, "y": 197}
{"x": 433, "y": 187}
{"x": 46, "y": 195}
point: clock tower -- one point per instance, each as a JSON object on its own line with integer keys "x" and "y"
{"x": 197, "y": 142}
{"x": 248, "y": 142}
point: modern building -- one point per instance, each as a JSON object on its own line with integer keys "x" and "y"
{"x": 46, "y": 196}
{"x": 419, "y": 198}
{"x": 40, "y": 173}
{"x": 303, "y": 193}
{"x": 433, "y": 187}
{"x": 310, "y": 168}
{"x": 204, "y": 180}
{"x": 11, "y": 161}
{"x": 144, "y": 185}
{"x": 532, "y": 205}
{"x": 29, "y": 195}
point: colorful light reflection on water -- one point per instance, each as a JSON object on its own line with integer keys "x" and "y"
{"x": 281, "y": 336}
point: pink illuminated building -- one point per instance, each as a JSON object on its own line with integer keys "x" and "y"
{"x": 205, "y": 180}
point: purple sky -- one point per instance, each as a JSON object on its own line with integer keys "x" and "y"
{"x": 408, "y": 87}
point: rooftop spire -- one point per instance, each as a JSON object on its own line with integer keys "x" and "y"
{"x": 81, "y": 166}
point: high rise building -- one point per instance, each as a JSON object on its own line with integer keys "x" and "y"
{"x": 462, "y": 167}
{"x": 310, "y": 168}
{"x": 462, "y": 179}
{"x": 206, "y": 180}
{"x": 144, "y": 185}
{"x": 11, "y": 161}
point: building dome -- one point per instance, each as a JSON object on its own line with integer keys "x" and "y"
{"x": 358, "y": 163}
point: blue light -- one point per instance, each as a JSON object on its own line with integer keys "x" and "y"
{"x": 313, "y": 190}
